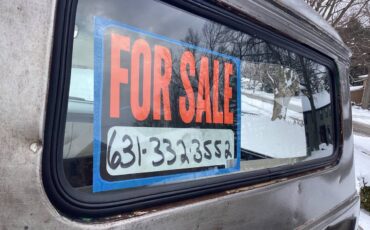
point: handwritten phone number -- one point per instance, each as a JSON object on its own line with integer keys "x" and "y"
{"x": 175, "y": 150}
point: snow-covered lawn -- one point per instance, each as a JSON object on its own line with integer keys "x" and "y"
{"x": 364, "y": 221}
{"x": 361, "y": 115}
{"x": 362, "y": 158}
{"x": 257, "y": 128}
{"x": 362, "y": 167}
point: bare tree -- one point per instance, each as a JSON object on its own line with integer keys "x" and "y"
{"x": 357, "y": 37}
{"x": 351, "y": 18}
{"x": 338, "y": 12}
{"x": 366, "y": 96}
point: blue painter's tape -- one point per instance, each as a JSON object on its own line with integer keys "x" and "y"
{"x": 99, "y": 184}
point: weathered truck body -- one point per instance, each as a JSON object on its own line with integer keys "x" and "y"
{"x": 32, "y": 37}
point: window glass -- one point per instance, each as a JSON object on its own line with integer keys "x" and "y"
{"x": 159, "y": 95}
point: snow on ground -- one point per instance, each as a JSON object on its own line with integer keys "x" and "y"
{"x": 259, "y": 107}
{"x": 257, "y": 128}
{"x": 362, "y": 163}
{"x": 364, "y": 221}
{"x": 259, "y": 93}
{"x": 360, "y": 115}
{"x": 264, "y": 101}
{"x": 355, "y": 88}
{"x": 361, "y": 118}
{"x": 300, "y": 103}
{"x": 362, "y": 158}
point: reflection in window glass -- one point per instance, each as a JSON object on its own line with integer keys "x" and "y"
{"x": 286, "y": 113}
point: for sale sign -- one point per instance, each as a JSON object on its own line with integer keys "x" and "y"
{"x": 164, "y": 110}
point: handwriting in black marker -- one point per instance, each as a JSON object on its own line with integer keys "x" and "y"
{"x": 170, "y": 150}
{"x": 227, "y": 151}
{"x": 199, "y": 158}
{"x": 128, "y": 150}
{"x": 157, "y": 151}
{"x": 218, "y": 151}
{"x": 115, "y": 160}
{"x": 184, "y": 157}
{"x": 207, "y": 154}
{"x": 138, "y": 147}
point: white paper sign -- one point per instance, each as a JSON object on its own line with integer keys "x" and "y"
{"x": 134, "y": 150}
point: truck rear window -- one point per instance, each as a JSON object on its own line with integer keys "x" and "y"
{"x": 158, "y": 96}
